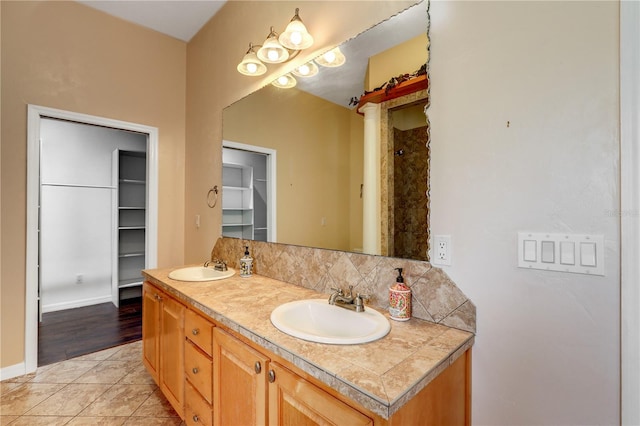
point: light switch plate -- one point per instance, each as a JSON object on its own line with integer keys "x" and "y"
{"x": 575, "y": 253}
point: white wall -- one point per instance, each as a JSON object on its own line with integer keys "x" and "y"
{"x": 547, "y": 348}
{"x": 76, "y": 221}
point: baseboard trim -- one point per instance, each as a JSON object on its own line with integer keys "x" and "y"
{"x": 75, "y": 304}
{"x": 13, "y": 371}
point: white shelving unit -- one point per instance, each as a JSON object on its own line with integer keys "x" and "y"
{"x": 129, "y": 218}
{"x": 237, "y": 201}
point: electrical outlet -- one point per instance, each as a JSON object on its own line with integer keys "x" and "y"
{"x": 441, "y": 250}
{"x": 79, "y": 278}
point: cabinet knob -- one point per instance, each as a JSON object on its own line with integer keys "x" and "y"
{"x": 258, "y": 367}
{"x": 272, "y": 376}
{"x": 195, "y": 331}
{"x": 195, "y": 370}
{"x": 196, "y": 418}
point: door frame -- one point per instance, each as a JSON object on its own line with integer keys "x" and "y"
{"x": 271, "y": 187}
{"x": 35, "y": 114}
{"x": 630, "y": 212}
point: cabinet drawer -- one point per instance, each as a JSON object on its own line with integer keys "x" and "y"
{"x": 199, "y": 331}
{"x": 196, "y": 410}
{"x": 199, "y": 370}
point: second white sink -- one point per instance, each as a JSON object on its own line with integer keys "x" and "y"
{"x": 200, "y": 273}
{"x": 318, "y": 321}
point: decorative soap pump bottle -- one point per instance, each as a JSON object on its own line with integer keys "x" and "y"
{"x": 399, "y": 299}
{"x": 246, "y": 263}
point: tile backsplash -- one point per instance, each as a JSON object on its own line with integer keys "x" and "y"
{"x": 435, "y": 297}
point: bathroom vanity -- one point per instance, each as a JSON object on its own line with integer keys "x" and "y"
{"x": 212, "y": 350}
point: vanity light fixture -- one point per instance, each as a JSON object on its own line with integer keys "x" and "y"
{"x": 276, "y": 48}
{"x": 332, "y": 58}
{"x": 285, "y": 81}
{"x": 296, "y": 36}
{"x": 250, "y": 64}
{"x": 272, "y": 52}
{"x": 306, "y": 70}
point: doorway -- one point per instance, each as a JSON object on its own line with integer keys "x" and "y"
{"x": 80, "y": 224}
{"x": 404, "y": 176}
{"x": 36, "y": 116}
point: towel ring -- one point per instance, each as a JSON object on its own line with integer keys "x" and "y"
{"x": 213, "y": 191}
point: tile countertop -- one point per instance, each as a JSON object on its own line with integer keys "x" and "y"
{"x": 381, "y": 376}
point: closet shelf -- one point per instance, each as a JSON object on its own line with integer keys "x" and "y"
{"x": 130, "y": 283}
{"x": 131, "y": 254}
{"x": 129, "y": 216}
{"x": 133, "y": 181}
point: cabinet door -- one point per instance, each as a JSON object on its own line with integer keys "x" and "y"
{"x": 295, "y": 401}
{"x": 172, "y": 352}
{"x": 151, "y": 330}
{"x": 239, "y": 382}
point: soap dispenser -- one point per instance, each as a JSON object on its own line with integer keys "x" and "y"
{"x": 399, "y": 299}
{"x": 246, "y": 263}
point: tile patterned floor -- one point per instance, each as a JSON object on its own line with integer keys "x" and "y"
{"x": 109, "y": 387}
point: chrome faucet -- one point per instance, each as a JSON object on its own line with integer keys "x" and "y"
{"x": 218, "y": 264}
{"x": 348, "y": 301}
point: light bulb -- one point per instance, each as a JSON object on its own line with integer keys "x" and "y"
{"x": 296, "y": 38}
{"x": 330, "y": 56}
{"x": 283, "y": 80}
{"x": 252, "y": 68}
{"x": 304, "y": 69}
{"x": 272, "y": 54}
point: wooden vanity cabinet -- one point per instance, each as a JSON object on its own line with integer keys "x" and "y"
{"x": 151, "y": 330}
{"x": 163, "y": 337}
{"x": 239, "y": 382}
{"x": 295, "y": 401}
{"x": 213, "y": 377}
{"x": 198, "y": 368}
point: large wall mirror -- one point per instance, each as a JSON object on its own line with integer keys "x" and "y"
{"x": 293, "y": 159}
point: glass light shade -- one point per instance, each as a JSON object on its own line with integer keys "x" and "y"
{"x": 306, "y": 70}
{"x": 332, "y": 58}
{"x": 296, "y": 36}
{"x": 285, "y": 81}
{"x": 272, "y": 51}
{"x": 251, "y": 65}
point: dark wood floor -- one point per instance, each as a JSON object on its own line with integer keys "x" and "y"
{"x": 70, "y": 333}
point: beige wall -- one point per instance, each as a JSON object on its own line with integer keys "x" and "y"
{"x": 213, "y": 83}
{"x": 67, "y": 56}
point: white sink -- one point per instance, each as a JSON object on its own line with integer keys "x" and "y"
{"x": 318, "y": 321}
{"x": 200, "y": 273}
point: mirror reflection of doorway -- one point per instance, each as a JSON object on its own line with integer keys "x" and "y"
{"x": 248, "y": 192}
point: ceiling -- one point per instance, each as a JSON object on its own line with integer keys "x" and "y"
{"x": 181, "y": 19}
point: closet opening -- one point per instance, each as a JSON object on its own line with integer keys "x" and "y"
{"x": 91, "y": 229}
